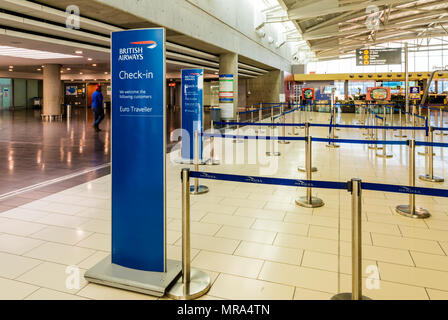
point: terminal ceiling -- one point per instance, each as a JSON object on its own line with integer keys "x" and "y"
{"x": 335, "y": 28}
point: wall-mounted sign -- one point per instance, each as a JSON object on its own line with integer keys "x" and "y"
{"x": 378, "y": 93}
{"x": 71, "y": 91}
{"x": 308, "y": 94}
{"x": 227, "y": 96}
{"x": 192, "y": 110}
{"x": 282, "y": 98}
{"x": 414, "y": 93}
{"x": 375, "y": 57}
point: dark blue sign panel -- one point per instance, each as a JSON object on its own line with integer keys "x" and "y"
{"x": 192, "y": 110}
{"x": 138, "y": 149}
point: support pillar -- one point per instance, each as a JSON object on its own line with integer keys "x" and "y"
{"x": 52, "y": 99}
{"x": 228, "y": 65}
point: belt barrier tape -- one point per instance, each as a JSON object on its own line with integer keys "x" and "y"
{"x": 319, "y": 184}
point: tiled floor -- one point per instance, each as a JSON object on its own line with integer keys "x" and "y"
{"x": 252, "y": 239}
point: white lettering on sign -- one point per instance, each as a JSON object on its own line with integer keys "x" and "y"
{"x": 124, "y": 75}
{"x": 130, "y": 54}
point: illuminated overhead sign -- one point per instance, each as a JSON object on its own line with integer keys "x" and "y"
{"x": 377, "y": 57}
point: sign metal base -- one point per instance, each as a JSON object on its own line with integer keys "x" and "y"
{"x": 428, "y": 178}
{"x": 347, "y": 296}
{"x": 385, "y": 156}
{"x": 146, "y": 282}
{"x": 275, "y": 154}
{"x": 303, "y": 169}
{"x": 199, "y": 285}
{"x": 419, "y": 213}
{"x": 200, "y": 190}
{"x": 315, "y": 202}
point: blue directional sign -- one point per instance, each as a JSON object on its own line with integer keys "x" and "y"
{"x": 138, "y": 149}
{"x": 192, "y": 110}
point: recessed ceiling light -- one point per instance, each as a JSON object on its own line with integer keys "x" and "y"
{"x": 94, "y": 65}
{"x": 81, "y": 73}
{"x": 78, "y": 52}
{"x": 68, "y": 69}
{"x": 39, "y": 69}
{"x": 32, "y": 54}
{"x": 90, "y": 59}
{"x": 11, "y": 67}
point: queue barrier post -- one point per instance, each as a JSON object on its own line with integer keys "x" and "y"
{"x": 293, "y": 118}
{"x": 274, "y": 150}
{"x": 426, "y": 153}
{"x": 384, "y": 155}
{"x": 400, "y": 135}
{"x": 307, "y": 134}
{"x": 309, "y": 201}
{"x": 411, "y": 210}
{"x": 355, "y": 187}
{"x": 441, "y": 133}
{"x": 237, "y": 129}
{"x": 332, "y": 135}
{"x": 213, "y": 161}
{"x": 197, "y": 189}
{"x": 430, "y": 176}
{"x": 374, "y": 136}
{"x": 283, "y": 128}
{"x": 193, "y": 283}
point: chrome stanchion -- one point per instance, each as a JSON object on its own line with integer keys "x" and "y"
{"x": 213, "y": 161}
{"x": 441, "y": 133}
{"x": 196, "y": 188}
{"x": 426, "y": 147}
{"x": 272, "y": 116}
{"x": 193, "y": 283}
{"x": 430, "y": 176}
{"x": 384, "y": 155}
{"x": 332, "y": 136}
{"x": 293, "y": 121}
{"x": 400, "y": 135}
{"x": 356, "y": 294}
{"x": 283, "y": 128}
{"x": 410, "y": 210}
{"x": 374, "y": 135}
{"x": 236, "y": 140}
{"x": 260, "y": 117}
{"x": 309, "y": 201}
{"x": 307, "y": 134}
{"x": 274, "y": 151}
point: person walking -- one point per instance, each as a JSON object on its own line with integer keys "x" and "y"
{"x": 97, "y": 107}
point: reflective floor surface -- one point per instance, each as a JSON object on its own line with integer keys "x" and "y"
{"x": 252, "y": 240}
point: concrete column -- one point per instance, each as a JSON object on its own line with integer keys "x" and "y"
{"x": 52, "y": 89}
{"x": 228, "y": 64}
{"x": 346, "y": 89}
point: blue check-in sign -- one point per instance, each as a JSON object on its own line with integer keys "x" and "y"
{"x": 138, "y": 149}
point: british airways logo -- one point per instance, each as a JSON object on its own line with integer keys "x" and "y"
{"x": 151, "y": 44}
{"x": 135, "y": 53}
